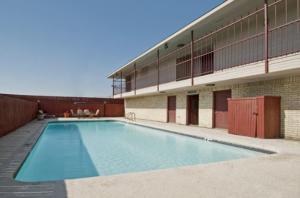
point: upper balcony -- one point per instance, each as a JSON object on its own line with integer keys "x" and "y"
{"x": 238, "y": 39}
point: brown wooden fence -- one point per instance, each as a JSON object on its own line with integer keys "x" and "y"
{"x": 14, "y": 113}
{"x": 17, "y": 110}
{"x": 59, "y": 105}
{"x": 113, "y": 110}
{"x": 242, "y": 116}
{"x": 254, "y": 117}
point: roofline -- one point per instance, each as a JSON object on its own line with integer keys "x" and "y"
{"x": 155, "y": 47}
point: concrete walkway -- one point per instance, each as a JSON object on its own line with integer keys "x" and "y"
{"x": 275, "y": 175}
{"x": 14, "y": 148}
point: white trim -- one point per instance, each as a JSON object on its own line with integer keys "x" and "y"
{"x": 175, "y": 85}
{"x": 126, "y": 94}
{"x": 117, "y": 96}
{"x": 146, "y": 90}
{"x": 231, "y": 74}
{"x": 282, "y": 63}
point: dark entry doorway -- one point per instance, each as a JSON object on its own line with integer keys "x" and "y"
{"x": 192, "y": 109}
{"x": 171, "y": 109}
{"x": 221, "y": 108}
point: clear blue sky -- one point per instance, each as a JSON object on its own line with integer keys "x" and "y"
{"x": 68, "y": 47}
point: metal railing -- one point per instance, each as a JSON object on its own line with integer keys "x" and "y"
{"x": 147, "y": 76}
{"x": 130, "y": 116}
{"x": 238, "y": 43}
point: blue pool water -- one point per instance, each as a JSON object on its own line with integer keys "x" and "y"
{"x": 68, "y": 150}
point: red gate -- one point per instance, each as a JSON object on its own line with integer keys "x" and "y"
{"x": 254, "y": 117}
{"x": 242, "y": 116}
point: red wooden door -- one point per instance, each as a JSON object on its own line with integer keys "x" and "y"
{"x": 193, "y": 109}
{"x": 255, "y": 117}
{"x": 171, "y": 109}
{"x": 242, "y": 116}
{"x": 221, "y": 108}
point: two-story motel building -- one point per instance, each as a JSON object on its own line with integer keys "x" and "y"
{"x": 239, "y": 49}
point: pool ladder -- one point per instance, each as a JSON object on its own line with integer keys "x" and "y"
{"x": 130, "y": 116}
{"x": 208, "y": 139}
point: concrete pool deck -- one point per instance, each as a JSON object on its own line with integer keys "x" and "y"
{"x": 275, "y": 175}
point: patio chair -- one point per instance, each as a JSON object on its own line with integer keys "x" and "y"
{"x": 95, "y": 114}
{"x": 80, "y": 113}
{"x": 40, "y": 115}
{"x": 87, "y": 112}
{"x": 72, "y": 113}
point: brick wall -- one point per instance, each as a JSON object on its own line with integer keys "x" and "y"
{"x": 155, "y": 107}
{"x": 148, "y": 108}
{"x": 181, "y": 103}
{"x": 288, "y": 88}
{"x": 206, "y": 108}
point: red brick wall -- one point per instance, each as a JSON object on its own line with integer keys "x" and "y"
{"x": 14, "y": 113}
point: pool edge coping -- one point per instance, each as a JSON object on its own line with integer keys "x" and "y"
{"x": 268, "y": 152}
{"x": 253, "y": 148}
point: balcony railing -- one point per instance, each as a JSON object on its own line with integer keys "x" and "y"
{"x": 244, "y": 41}
{"x": 147, "y": 76}
{"x": 284, "y": 39}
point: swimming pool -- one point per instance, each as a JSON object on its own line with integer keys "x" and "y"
{"x": 68, "y": 150}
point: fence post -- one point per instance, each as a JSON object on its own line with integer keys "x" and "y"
{"x": 121, "y": 84}
{"x": 104, "y": 109}
{"x": 192, "y": 57}
{"x": 266, "y": 51}
{"x": 113, "y": 86}
{"x": 134, "y": 78}
{"x": 158, "y": 70}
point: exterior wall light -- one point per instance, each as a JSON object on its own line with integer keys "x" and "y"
{"x": 166, "y": 45}
{"x": 192, "y": 92}
{"x": 180, "y": 45}
{"x": 210, "y": 85}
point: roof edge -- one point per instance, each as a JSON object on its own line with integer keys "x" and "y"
{"x": 178, "y": 32}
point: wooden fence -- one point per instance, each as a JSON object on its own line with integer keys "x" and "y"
{"x": 14, "y": 113}
{"x": 59, "y": 105}
{"x": 254, "y": 117}
{"x": 17, "y": 110}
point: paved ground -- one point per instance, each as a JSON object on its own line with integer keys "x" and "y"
{"x": 276, "y": 175}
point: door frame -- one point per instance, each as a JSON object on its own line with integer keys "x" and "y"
{"x": 188, "y": 104}
{"x": 214, "y": 105}
{"x": 168, "y": 108}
